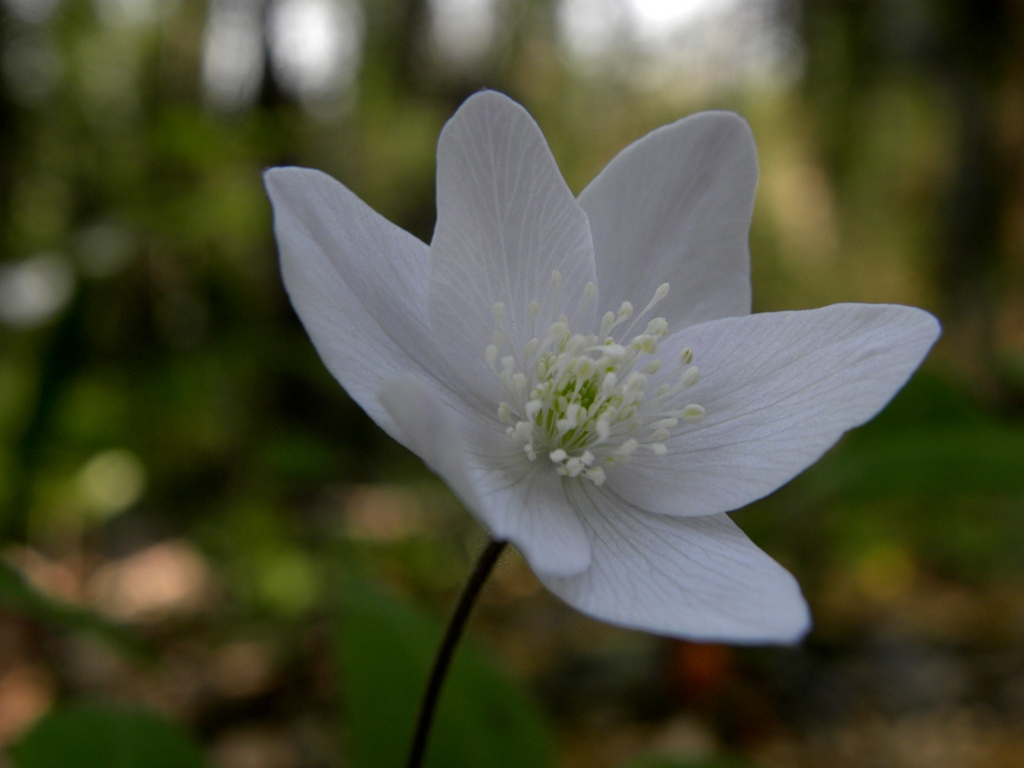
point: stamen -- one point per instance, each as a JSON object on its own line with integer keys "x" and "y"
{"x": 579, "y": 398}
{"x": 659, "y": 294}
{"x": 690, "y": 376}
{"x": 693, "y": 414}
{"x": 589, "y": 292}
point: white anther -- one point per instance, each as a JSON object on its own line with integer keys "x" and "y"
{"x": 686, "y": 356}
{"x": 660, "y": 435}
{"x": 607, "y": 322}
{"x": 533, "y": 308}
{"x": 576, "y": 344}
{"x": 612, "y": 353}
{"x": 531, "y": 347}
{"x": 499, "y": 311}
{"x": 646, "y": 344}
{"x": 690, "y": 376}
{"x": 574, "y": 466}
{"x": 524, "y": 429}
{"x": 652, "y": 367}
{"x": 663, "y": 423}
{"x": 608, "y": 384}
{"x": 491, "y": 355}
{"x": 662, "y": 292}
{"x": 556, "y": 280}
{"x": 658, "y": 327}
{"x": 504, "y": 413}
{"x": 519, "y": 381}
{"x": 625, "y": 311}
{"x": 558, "y": 332}
{"x": 569, "y": 422}
{"x": 595, "y": 475}
{"x": 587, "y": 458}
{"x": 589, "y": 291}
{"x": 558, "y": 456}
{"x": 693, "y": 414}
{"x": 628, "y": 448}
{"x": 533, "y": 407}
{"x": 658, "y": 449}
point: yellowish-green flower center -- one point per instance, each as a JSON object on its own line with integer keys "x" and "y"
{"x": 580, "y": 400}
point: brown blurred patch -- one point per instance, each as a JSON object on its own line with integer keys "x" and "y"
{"x": 700, "y": 671}
{"x": 26, "y": 693}
{"x": 243, "y": 668}
{"x": 170, "y": 578}
{"x": 382, "y": 513}
{"x": 254, "y": 747}
{"x": 58, "y": 578}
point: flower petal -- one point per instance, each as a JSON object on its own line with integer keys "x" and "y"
{"x": 699, "y": 578}
{"x": 356, "y": 281}
{"x": 526, "y": 507}
{"x": 778, "y": 390}
{"x": 506, "y": 221}
{"x": 675, "y": 207}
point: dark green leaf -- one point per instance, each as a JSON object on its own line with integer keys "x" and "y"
{"x": 103, "y": 737}
{"x": 984, "y": 459}
{"x": 386, "y": 651}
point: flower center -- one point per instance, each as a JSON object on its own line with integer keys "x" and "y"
{"x": 581, "y": 399}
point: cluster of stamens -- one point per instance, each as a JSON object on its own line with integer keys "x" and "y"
{"x": 580, "y": 399}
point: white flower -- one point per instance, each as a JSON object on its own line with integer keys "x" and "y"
{"x": 585, "y": 373}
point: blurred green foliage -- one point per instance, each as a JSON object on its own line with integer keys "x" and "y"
{"x": 386, "y": 649}
{"x": 93, "y": 736}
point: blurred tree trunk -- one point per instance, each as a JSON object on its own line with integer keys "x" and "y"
{"x": 965, "y": 47}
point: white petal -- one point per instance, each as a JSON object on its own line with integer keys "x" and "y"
{"x": 698, "y": 578}
{"x": 778, "y": 390}
{"x": 506, "y": 221}
{"x": 523, "y": 505}
{"x": 675, "y": 207}
{"x": 356, "y": 281}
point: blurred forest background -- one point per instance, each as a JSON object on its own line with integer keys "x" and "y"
{"x": 210, "y": 556}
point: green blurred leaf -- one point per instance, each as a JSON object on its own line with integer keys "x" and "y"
{"x": 18, "y": 595}
{"x": 386, "y": 651}
{"x": 936, "y": 462}
{"x": 102, "y": 737}
{"x": 934, "y": 440}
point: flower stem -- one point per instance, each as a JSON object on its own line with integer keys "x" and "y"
{"x": 428, "y": 706}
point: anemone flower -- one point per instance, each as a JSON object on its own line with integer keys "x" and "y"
{"x": 585, "y": 373}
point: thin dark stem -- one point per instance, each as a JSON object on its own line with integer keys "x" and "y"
{"x": 484, "y": 566}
